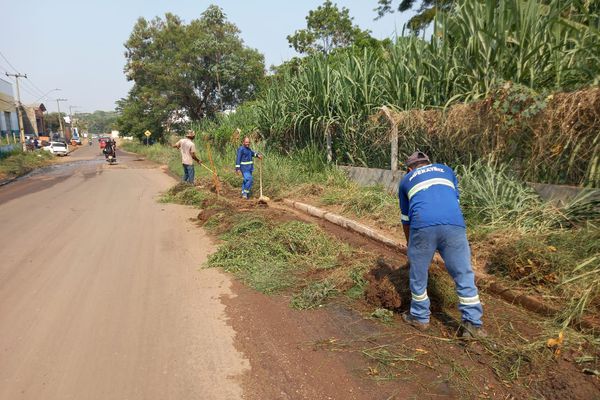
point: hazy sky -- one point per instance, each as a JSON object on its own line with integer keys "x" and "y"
{"x": 77, "y": 45}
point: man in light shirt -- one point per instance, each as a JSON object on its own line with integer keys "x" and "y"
{"x": 187, "y": 148}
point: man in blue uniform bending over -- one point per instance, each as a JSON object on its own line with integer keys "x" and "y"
{"x": 432, "y": 220}
{"x": 244, "y": 164}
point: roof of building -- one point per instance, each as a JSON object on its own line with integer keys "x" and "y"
{"x": 36, "y": 106}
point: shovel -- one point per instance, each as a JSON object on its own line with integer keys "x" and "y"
{"x": 262, "y": 199}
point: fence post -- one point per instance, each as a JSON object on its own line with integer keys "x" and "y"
{"x": 329, "y": 142}
{"x": 393, "y": 138}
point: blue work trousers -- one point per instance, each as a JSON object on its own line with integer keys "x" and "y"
{"x": 451, "y": 242}
{"x": 188, "y": 173}
{"x": 247, "y": 182}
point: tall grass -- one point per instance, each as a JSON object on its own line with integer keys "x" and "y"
{"x": 282, "y": 173}
{"x": 491, "y": 195}
{"x": 473, "y": 49}
{"x": 583, "y": 282}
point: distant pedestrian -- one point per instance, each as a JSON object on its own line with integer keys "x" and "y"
{"x": 432, "y": 220}
{"x": 244, "y": 165}
{"x": 187, "y": 148}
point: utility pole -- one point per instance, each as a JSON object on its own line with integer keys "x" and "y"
{"x": 62, "y": 128}
{"x": 21, "y": 128}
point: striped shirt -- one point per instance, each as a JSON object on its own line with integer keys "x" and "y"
{"x": 429, "y": 196}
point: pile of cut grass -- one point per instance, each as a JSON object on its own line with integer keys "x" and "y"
{"x": 314, "y": 295}
{"x": 184, "y": 193}
{"x": 270, "y": 257}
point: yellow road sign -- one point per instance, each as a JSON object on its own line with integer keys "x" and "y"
{"x": 147, "y": 133}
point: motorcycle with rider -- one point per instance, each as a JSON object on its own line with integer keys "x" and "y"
{"x": 110, "y": 151}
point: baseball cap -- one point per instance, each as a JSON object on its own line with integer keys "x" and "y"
{"x": 416, "y": 157}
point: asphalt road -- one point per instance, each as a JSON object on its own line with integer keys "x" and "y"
{"x": 101, "y": 291}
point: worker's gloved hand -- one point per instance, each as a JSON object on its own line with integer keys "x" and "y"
{"x": 260, "y": 156}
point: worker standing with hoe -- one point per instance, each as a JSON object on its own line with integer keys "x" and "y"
{"x": 187, "y": 149}
{"x": 244, "y": 165}
{"x": 432, "y": 220}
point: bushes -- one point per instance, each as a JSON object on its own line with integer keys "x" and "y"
{"x": 552, "y": 139}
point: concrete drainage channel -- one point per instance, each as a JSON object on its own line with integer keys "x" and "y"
{"x": 487, "y": 282}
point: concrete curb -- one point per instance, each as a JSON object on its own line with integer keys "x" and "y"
{"x": 487, "y": 282}
{"x": 345, "y": 223}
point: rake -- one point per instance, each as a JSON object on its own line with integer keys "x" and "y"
{"x": 262, "y": 199}
{"x": 215, "y": 177}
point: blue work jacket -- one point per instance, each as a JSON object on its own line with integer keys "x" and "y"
{"x": 429, "y": 196}
{"x": 244, "y": 160}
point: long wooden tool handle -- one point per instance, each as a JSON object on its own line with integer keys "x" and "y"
{"x": 260, "y": 175}
{"x": 207, "y": 168}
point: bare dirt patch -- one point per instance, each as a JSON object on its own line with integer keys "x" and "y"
{"x": 316, "y": 354}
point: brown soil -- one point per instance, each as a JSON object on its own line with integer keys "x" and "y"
{"x": 382, "y": 293}
{"x": 335, "y": 353}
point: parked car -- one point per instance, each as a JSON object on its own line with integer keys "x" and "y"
{"x": 76, "y": 140}
{"x": 57, "y": 148}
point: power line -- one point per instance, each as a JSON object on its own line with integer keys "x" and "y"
{"x": 33, "y": 86}
{"x": 3, "y": 69}
{"x": 6, "y": 59}
{"x": 28, "y": 91}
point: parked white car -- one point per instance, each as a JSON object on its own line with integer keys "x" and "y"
{"x": 57, "y": 148}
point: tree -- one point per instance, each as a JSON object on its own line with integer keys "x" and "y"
{"x": 182, "y": 72}
{"x": 97, "y": 122}
{"x": 425, "y": 13}
{"x": 136, "y": 116}
{"x": 52, "y": 123}
{"x": 327, "y": 28}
